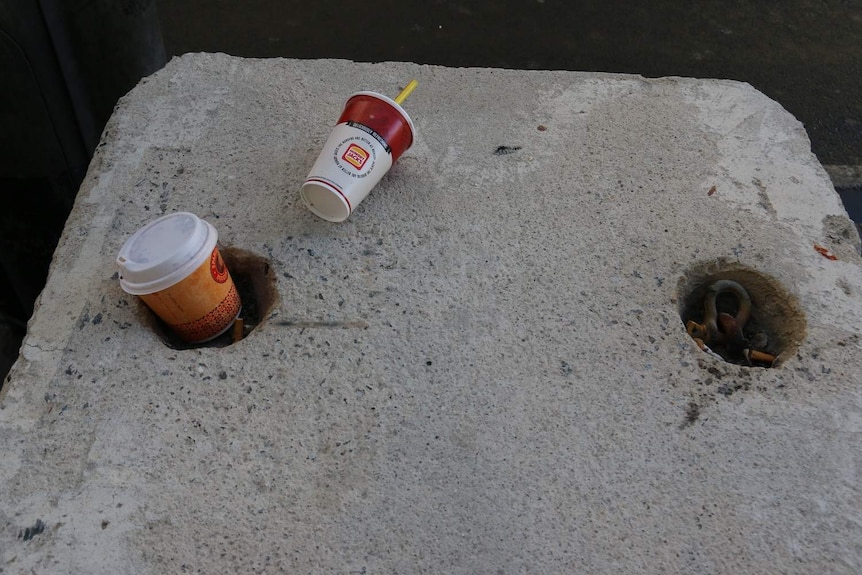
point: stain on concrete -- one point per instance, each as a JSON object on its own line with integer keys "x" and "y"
{"x": 30, "y": 532}
{"x": 763, "y": 197}
{"x": 506, "y": 150}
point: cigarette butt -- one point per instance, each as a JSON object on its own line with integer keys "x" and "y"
{"x": 761, "y": 356}
{"x": 695, "y": 330}
{"x": 237, "y": 329}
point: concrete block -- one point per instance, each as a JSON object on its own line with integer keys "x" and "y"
{"x": 484, "y": 370}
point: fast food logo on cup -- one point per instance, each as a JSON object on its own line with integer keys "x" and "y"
{"x": 355, "y": 156}
{"x": 217, "y": 267}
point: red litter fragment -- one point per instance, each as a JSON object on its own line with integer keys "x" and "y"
{"x": 711, "y": 191}
{"x": 825, "y": 252}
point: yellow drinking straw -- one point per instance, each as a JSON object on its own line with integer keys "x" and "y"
{"x": 408, "y": 89}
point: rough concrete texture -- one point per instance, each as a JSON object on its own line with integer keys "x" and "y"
{"x": 484, "y": 370}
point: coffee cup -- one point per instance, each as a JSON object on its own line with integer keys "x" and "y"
{"x": 173, "y": 264}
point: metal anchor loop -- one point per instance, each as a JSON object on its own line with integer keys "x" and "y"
{"x": 723, "y": 330}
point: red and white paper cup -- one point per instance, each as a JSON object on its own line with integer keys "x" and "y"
{"x": 371, "y": 134}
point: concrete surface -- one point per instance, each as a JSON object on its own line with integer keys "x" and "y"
{"x": 483, "y": 371}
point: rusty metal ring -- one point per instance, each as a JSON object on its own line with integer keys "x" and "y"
{"x": 710, "y": 313}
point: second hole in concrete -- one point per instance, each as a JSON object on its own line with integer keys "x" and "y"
{"x": 774, "y": 328}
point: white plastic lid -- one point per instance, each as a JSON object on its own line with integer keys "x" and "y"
{"x": 165, "y": 252}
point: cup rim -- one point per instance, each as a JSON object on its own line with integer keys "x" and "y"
{"x": 333, "y": 191}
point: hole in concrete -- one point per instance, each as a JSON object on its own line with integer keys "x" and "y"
{"x": 776, "y": 325}
{"x": 255, "y": 282}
